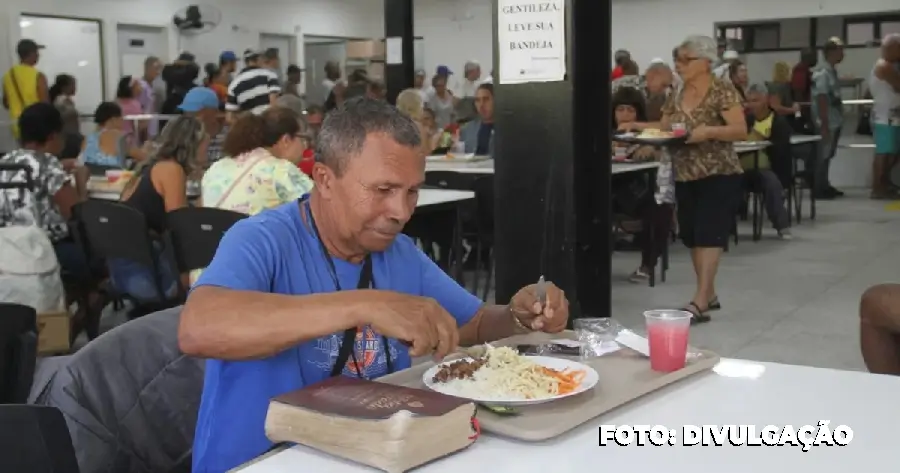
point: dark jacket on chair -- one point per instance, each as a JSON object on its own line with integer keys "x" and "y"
{"x": 780, "y": 154}
{"x": 130, "y": 398}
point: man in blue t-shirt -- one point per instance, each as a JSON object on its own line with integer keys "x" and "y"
{"x": 290, "y": 285}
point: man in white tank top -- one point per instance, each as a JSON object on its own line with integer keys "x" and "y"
{"x": 884, "y": 84}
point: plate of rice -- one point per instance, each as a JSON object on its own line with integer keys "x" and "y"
{"x": 504, "y": 377}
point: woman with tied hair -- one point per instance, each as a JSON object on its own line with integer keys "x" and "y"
{"x": 159, "y": 186}
{"x": 410, "y": 103}
{"x": 707, "y": 169}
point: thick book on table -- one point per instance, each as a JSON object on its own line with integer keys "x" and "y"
{"x": 392, "y": 428}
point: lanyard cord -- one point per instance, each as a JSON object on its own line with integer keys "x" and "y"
{"x": 366, "y": 281}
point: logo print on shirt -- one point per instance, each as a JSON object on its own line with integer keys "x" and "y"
{"x": 367, "y": 347}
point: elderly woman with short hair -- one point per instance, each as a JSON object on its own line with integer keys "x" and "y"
{"x": 410, "y": 103}
{"x": 707, "y": 169}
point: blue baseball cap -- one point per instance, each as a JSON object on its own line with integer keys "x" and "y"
{"x": 227, "y": 56}
{"x": 443, "y": 71}
{"x": 199, "y": 98}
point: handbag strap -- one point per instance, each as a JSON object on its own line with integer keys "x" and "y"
{"x": 237, "y": 181}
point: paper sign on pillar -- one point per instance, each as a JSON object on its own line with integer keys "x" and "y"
{"x": 531, "y": 38}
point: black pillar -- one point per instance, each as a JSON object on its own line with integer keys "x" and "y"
{"x": 398, "y": 23}
{"x": 552, "y": 170}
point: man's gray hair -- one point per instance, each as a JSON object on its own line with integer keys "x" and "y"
{"x": 471, "y": 66}
{"x": 703, "y": 47}
{"x": 345, "y": 129}
{"x": 757, "y": 89}
{"x": 150, "y": 61}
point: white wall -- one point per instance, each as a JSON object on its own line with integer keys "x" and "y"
{"x": 242, "y": 22}
{"x": 455, "y": 32}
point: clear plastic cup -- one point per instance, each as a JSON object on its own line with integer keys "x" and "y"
{"x": 679, "y": 129}
{"x": 667, "y": 334}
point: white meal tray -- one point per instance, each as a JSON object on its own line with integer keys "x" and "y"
{"x": 624, "y": 376}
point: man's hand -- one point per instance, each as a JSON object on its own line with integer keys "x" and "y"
{"x": 418, "y": 321}
{"x": 550, "y": 317}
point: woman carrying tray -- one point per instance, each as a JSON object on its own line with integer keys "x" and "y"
{"x": 707, "y": 169}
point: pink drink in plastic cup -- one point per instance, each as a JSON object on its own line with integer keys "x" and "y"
{"x": 678, "y": 129}
{"x": 667, "y": 334}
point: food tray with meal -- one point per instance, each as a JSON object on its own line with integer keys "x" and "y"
{"x": 547, "y": 396}
{"x": 653, "y": 137}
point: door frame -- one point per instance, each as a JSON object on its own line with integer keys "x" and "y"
{"x": 15, "y": 35}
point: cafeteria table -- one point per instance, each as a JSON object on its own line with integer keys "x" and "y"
{"x": 735, "y": 392}
{"x": 442, "y": 208}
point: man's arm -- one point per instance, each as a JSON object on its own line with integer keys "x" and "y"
{"x": 820, "y": 94}
{"x": 238, "y": 325}
{"x": 231, "y": 315}
{"x": 274, "y": 88}
{"x": 43, "y": 90}
{"x": 888, "y": 73}
{"x": 492, "y": 322}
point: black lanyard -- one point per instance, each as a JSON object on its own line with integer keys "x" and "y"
{"x": 366, "y": 281}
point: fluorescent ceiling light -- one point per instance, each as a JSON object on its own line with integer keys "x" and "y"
{"x": 24, "y": 23}
{"x": 82, "y": 63}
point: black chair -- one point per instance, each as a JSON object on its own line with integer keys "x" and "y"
{"x": 195, "y": 232}
{"x": 112, "y": 230}
{"x": 18, "y": 352}
{"x": 430, "y": 232}
{"x": 35, "y": 439}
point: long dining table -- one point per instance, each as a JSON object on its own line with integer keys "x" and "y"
{"x": 735, "y": 392}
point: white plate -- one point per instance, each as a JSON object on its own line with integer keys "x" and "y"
{"x": 590, "y": 380}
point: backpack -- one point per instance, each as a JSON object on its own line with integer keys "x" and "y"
{"x": 29, "y": 269}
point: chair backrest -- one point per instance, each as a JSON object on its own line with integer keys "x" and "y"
{"x": 18, "y": 352}
{"x": 450, "y": 180}
{"x": 35, "y": 439}
{"x": 116, "y": 230}
{"x": 195, "y": 233}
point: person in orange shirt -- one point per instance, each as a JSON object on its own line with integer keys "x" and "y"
{"x": 23, "y": 84}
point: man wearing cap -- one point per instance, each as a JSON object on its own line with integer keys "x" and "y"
{"x": 23, "y": 84}
{"x": 828, "y": 113}
{"x": 202, "y": 103}
{"x": 228, "y": 63}
{"x": 254, "y": 89}
{"x": 728, "y": 57}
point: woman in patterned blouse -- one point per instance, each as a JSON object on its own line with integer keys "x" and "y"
{"x": 707, "y": 170}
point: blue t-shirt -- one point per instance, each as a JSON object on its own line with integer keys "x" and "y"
{"x": 275, "y": 252}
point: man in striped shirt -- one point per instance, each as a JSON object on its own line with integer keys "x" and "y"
{"x": 254, "y": 89}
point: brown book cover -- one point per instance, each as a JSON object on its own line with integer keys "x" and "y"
{"x": 362, "y": 399}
